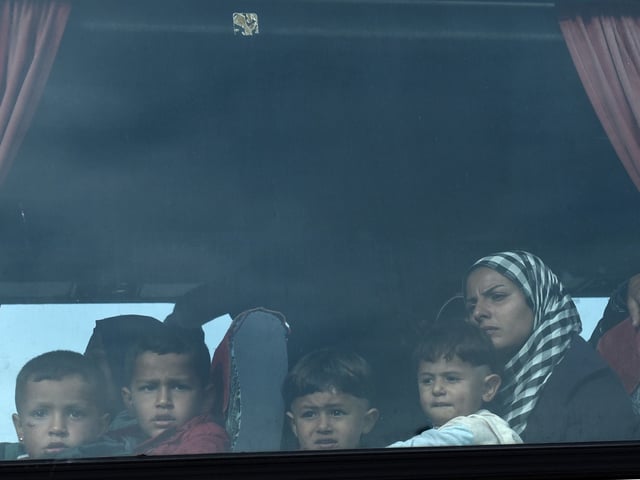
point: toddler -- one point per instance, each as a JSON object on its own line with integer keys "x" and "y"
{"x": 457, "y": 376}
{"x": 327, "y": 395}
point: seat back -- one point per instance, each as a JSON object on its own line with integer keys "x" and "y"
{"x": 248, "y": 369}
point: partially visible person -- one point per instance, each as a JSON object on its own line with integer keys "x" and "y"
{"x": 60, "y": 402}
{"x": 328, "y": 396}
{"x": 617, "y": 337}
{"x": 555, "y": 386}
{"x": 108, "y": 345}
{"x": 624, "y": 304}
{"x": 457, "y": 374}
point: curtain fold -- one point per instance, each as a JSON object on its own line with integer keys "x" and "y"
{"x": 30, "y": 33}
{"x": 604, "y": 43}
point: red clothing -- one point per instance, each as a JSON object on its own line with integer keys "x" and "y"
{"x": 199, "y": 435}
{"x": 620, "y": 347}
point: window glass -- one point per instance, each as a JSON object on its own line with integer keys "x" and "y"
{"x": 590, "y": 309}
{"x": 325, "y": 173}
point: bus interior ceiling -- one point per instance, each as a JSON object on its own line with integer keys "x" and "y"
{"x": 344, "y": 166}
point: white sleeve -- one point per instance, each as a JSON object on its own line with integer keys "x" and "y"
{"x": 442, "y": 437}
{"x": 486, "y": 427}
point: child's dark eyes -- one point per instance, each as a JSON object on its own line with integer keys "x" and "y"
{"x": 448, "y": 379}
{"x": 39, "y": 413}
{"x": 182, "y": 387}
{"x": 77, "y": 414}
{"x": 336, "y": 412}
{"x": 178, "y": 387}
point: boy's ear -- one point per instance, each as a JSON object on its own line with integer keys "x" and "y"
{"x": 127, "y": 398}
{"x": 492, "y": 383}
{"x": 17, "y": 424}
{"x": 292, "y": 423}
{"x": 370, "y": 419}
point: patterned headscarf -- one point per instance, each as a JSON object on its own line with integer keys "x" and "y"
{"x": 555, "y": 322}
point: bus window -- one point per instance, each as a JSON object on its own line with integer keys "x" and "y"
{"x": 330, "y": 170}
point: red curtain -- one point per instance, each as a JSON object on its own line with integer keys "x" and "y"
{"x": 604, "y": 42}
{"x": 30, "y": 33}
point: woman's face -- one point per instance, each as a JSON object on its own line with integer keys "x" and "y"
{"x": 499, "y": 307}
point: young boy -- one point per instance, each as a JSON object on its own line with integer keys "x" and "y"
{"x": 59, "y": 400}
{"x": 169, "y": 393}
{"x": 327, "y": 395}
{"x": 456, "y": 370}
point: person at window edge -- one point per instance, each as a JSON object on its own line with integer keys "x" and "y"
{"x": 617, "y": 337}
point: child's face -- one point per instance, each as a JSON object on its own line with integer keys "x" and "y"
{"x": 58, "y": 414}
{"x": 164, "y": 392}
{"x": 330, "y": 420}
{"x": 453, "y": 388}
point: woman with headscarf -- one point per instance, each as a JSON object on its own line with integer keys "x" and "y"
{"x": 555, "y": 386}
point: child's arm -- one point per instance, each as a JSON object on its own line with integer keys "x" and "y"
{"x": 446, "y": 436}
{"x": 480, "y": 428}
{"x": 197, "y": 438}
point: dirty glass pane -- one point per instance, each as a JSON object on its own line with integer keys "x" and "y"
{"x": 323, "y": 172}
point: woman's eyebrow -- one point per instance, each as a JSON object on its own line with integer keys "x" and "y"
{"x": 491, "y": 289}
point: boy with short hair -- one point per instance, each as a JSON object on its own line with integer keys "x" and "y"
{"x": 170, "y": 395}
{"x": 60, "y": 404}
{"x": 327, "y": 395}
{"x": 457, "y": 376}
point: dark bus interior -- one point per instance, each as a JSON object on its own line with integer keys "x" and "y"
{"x": 344, "y": 166}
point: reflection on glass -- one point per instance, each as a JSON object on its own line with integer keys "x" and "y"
{"x": 342, "y": 163}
